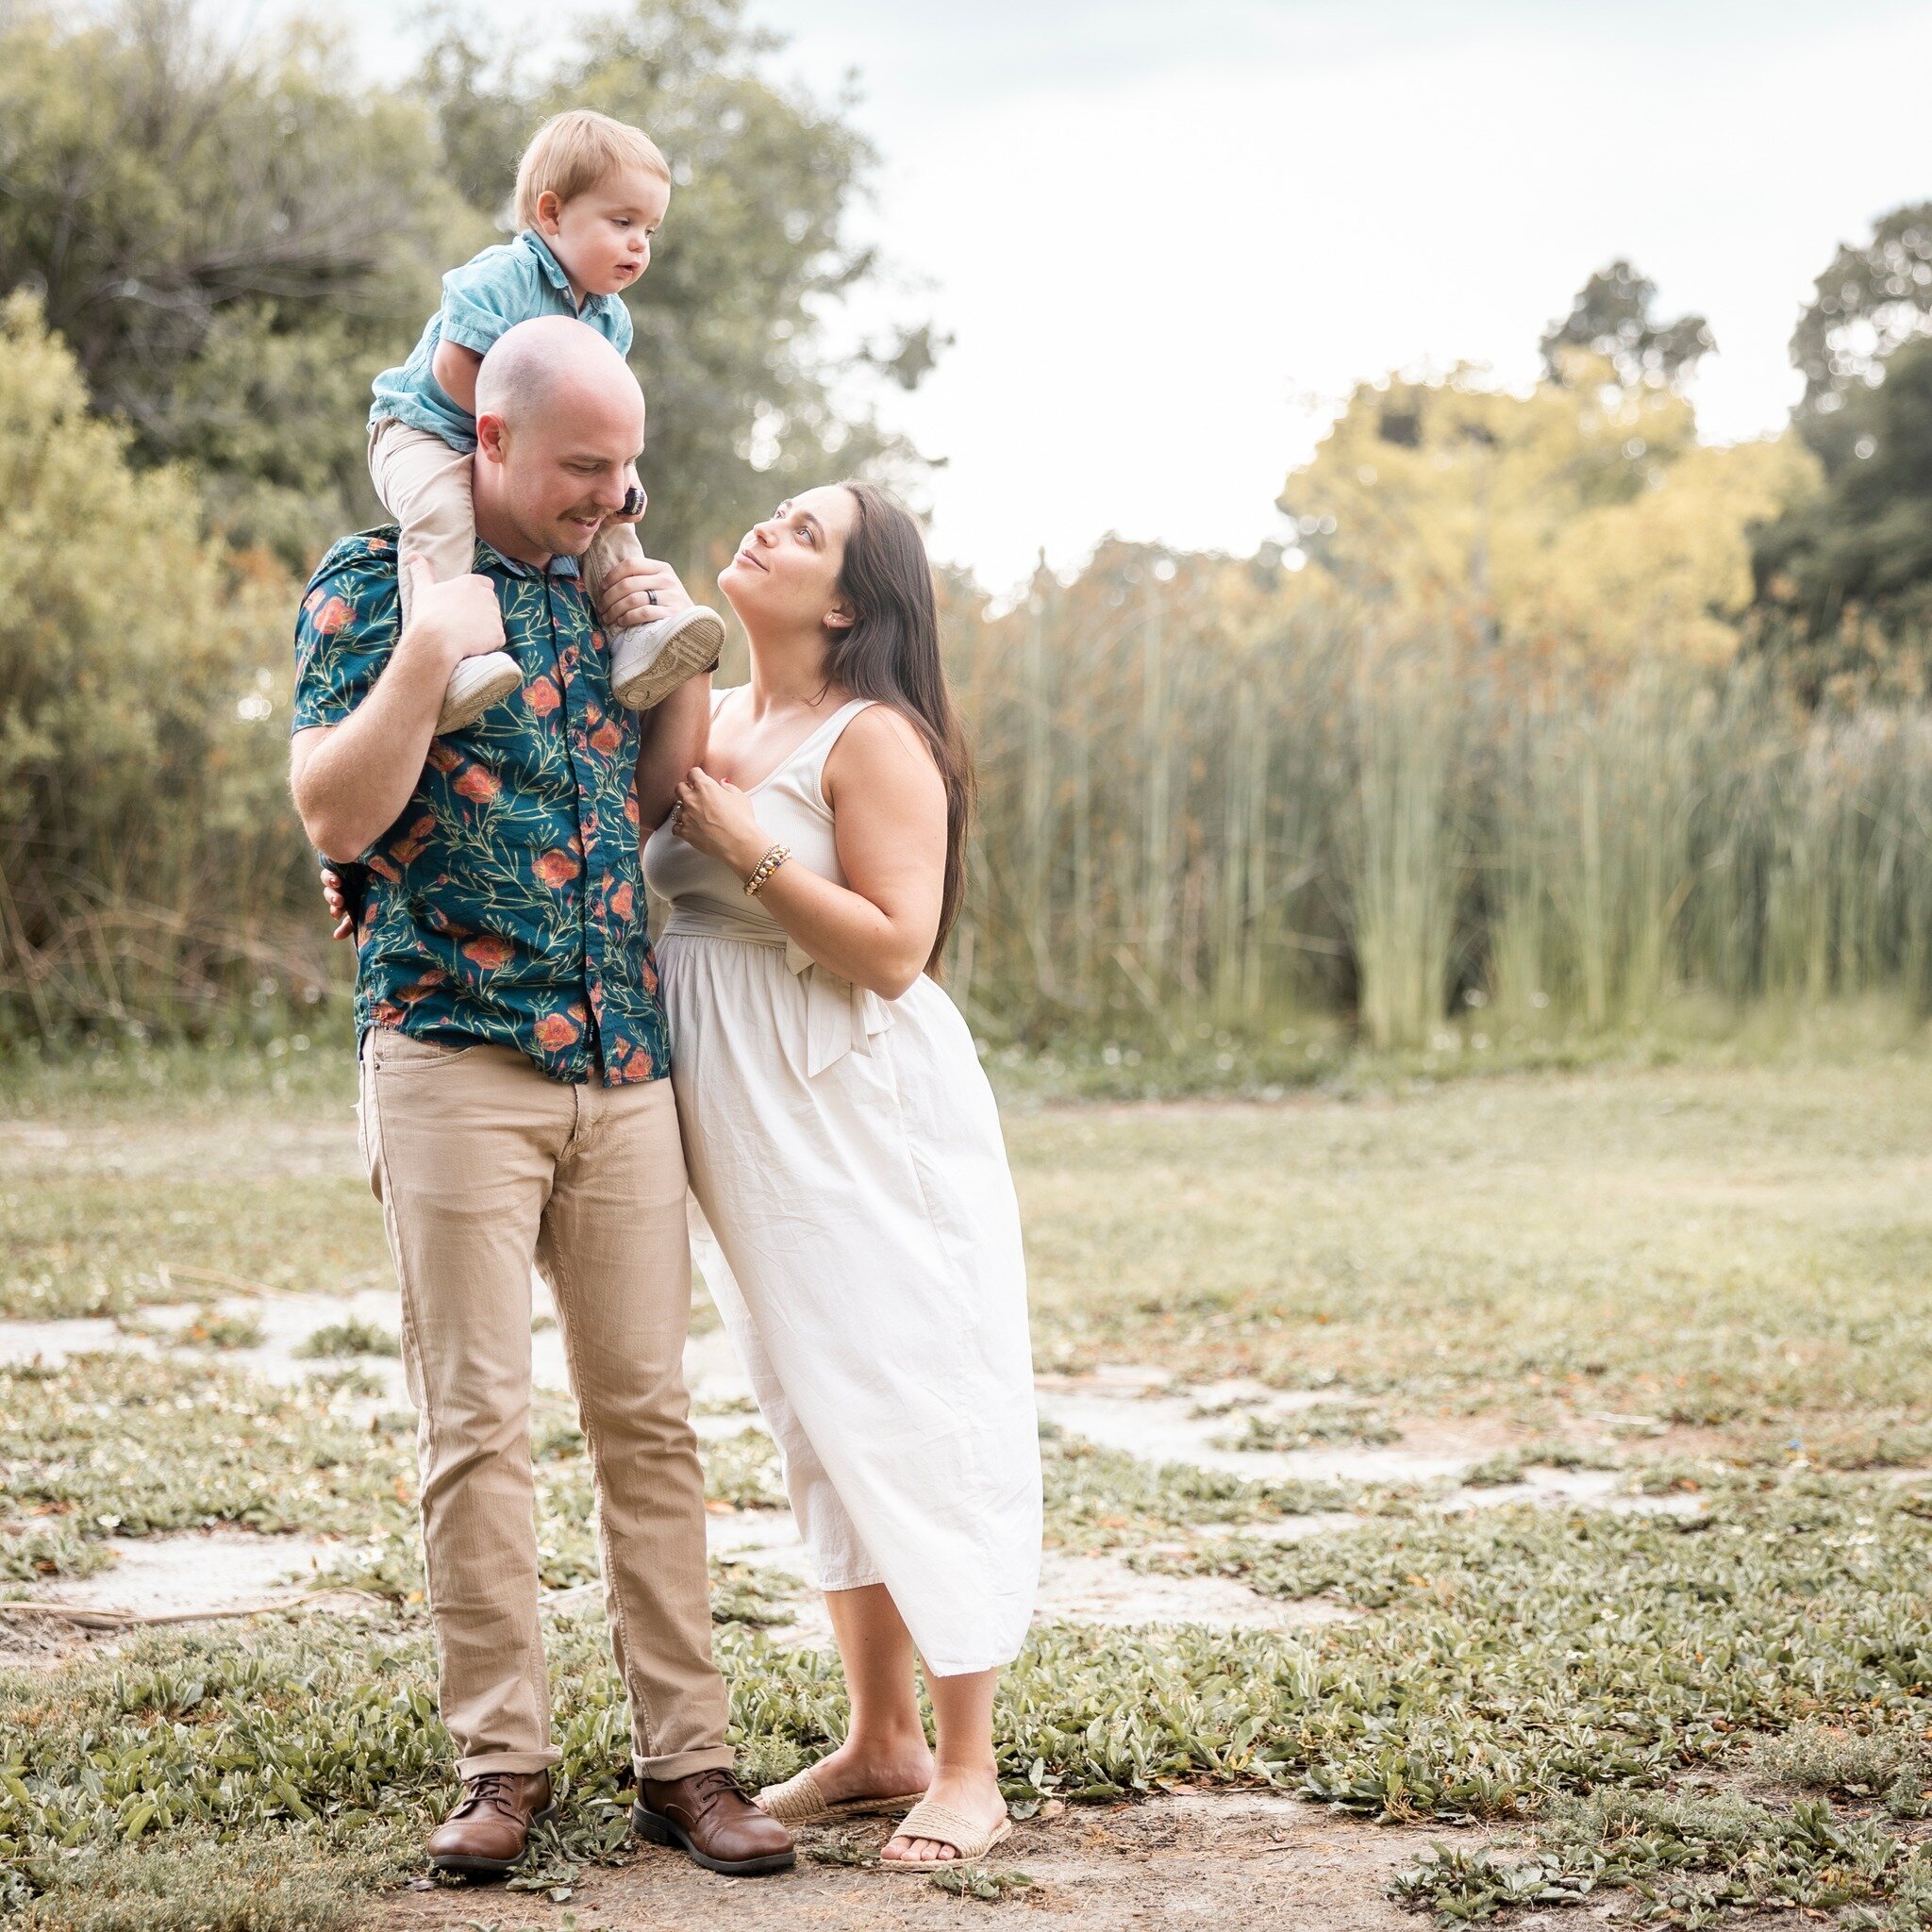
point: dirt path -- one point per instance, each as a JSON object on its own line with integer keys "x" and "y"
{"x": 1239, "y": 1863}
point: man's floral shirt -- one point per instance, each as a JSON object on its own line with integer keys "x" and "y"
{"x": 505, "y": 904}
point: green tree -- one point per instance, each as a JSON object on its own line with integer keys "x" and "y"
{"x": 147, "y": 848}
{"x": 234, "y": 240}
{"x": 1871, "y": 300}
{"x": 1611, "y": 318}
{"x": 231, "y": 240}
{"x": 1845, "y": 579}
{"x": 746, "y": 401}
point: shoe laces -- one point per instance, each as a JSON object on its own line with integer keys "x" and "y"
{"x": 708, "y": 1786}
{"x": 491, "y": 1788}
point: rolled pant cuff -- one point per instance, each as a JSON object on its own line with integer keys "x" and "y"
{"x": 682, "y": 1763}
{"x": 525, "y": 1761}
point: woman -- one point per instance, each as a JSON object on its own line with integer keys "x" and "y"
{"x": 854, "y": 1213}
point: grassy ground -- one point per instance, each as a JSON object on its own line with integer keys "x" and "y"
{"x": 1714, "y": 1277}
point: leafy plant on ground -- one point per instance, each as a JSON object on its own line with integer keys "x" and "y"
{"x": 131, "y": 1447}
{"x": 1099, "y": 1498}
{"x": 742, "y": 1471}
{"x": 977, "y": 1882}
{"x": 351, "y": 1336}
{"x": 1320, "y": 1427}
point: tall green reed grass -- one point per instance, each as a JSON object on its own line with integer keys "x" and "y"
{"x": 1194, "y": 811}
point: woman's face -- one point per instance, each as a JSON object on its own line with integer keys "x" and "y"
{"x": 785, "y": 573}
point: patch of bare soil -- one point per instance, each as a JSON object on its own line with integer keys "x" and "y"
{"x": 1243, "y": 1862}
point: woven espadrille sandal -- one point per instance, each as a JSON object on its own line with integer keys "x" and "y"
{"x": 946, "y": 1826}
{"x": 799, "y": 1800}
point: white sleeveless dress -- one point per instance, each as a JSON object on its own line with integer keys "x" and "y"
{"x": 855, "y": 1218}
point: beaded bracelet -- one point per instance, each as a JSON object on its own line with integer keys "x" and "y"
{"x": 767, "y": 866}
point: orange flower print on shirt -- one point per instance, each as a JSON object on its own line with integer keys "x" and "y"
{"x": 488, "y": 951}
{"x": 623, "y": 901}
{"x": 608, "y": 737}
{"x": 557, "y": 869}
{"x": 542, "y": 697}
{"x": 479, "y": 783}
{"x": 330, "y": 614}
{"x": 409, "y": 847}
{"x": 556, "y": 1032}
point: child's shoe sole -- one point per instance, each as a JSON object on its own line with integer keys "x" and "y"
{"x": 650, "y": 660}
{"x": 474, "y": 685}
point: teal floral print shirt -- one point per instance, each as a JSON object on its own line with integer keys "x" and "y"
{"x": 505, "y": 905}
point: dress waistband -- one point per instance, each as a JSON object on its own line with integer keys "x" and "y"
{"x": 838, "y": 1017}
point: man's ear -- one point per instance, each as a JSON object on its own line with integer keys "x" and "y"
{"x": 492, "y": 438}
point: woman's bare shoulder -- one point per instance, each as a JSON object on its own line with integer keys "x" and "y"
{"x": 880, "y": 746}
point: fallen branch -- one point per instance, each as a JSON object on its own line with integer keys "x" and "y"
{"x": 85, "y": 1618}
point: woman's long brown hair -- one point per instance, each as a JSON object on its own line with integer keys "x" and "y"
{"x": 891, "y": 652}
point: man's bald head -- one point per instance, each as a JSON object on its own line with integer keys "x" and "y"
{"x": 559, "y": 426}
{"x": 552, "y": 363}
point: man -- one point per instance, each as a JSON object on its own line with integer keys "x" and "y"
{"x": 514, "y": 1107}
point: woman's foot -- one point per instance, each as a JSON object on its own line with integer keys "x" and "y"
{"x": 974, "y": 1794}
{"x": 862, "y": 1767}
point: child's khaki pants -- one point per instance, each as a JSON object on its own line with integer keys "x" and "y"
{"x": 484, "y": 1165}
{"x": 424, "y": 485}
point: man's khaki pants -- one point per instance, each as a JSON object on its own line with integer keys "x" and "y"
{"x": 425, "y": 486}
{"x": 483, "y": 1165}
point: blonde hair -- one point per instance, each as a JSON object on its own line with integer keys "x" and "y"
{"x": 574, "y": 151}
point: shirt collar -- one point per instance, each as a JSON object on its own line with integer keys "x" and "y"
{"x": 489, "y": 557}
{"x": 554, "y": 272}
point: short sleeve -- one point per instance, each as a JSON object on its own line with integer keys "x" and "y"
{"x": 485, "y": 297}
{"x": 620, "y": 325}
{"x": 344, "y": 633}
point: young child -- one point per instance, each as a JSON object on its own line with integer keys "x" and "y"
{"x": 590, "y": 192}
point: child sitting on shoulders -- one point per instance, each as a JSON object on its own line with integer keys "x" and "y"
{"x": 591, "y": 193}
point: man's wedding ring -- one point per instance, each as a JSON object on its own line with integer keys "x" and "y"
{"x": 650, "y": 596}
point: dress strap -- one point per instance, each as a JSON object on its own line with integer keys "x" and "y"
{"x": 819, "y": 745}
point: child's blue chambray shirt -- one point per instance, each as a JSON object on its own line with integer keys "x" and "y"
{"x": 490, "y": 294}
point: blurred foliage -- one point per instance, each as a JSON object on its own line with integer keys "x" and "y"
{"x": 231, "y": 240}
{"x": 234, "y": 235}
{"x": 147, "y": 850}
{"x": 1582, "y": 520}
{"x": 1872, "y": 299}
{"x": 1611, "y": 319}
{"x": 1845, "y": 578}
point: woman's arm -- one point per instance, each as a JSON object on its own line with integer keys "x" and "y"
{"x": 889, "y": 815}
{"x": 455, "y": 369}
{"x": 676, "y": 730}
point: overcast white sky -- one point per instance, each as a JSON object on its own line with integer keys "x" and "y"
{"x": 1168, "y": 235}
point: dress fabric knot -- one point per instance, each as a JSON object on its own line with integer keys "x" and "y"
{"x": 839, "y": 1016}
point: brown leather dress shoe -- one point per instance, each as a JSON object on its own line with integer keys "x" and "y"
{"x": 485, "y": 1834}
{"x": 708, "y": 1816}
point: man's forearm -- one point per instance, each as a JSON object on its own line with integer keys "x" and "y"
{"x": 677, "y": 732}
{"x": 352, "y": 780}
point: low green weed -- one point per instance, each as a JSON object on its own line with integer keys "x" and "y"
{"x": 351, "y": 1336}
